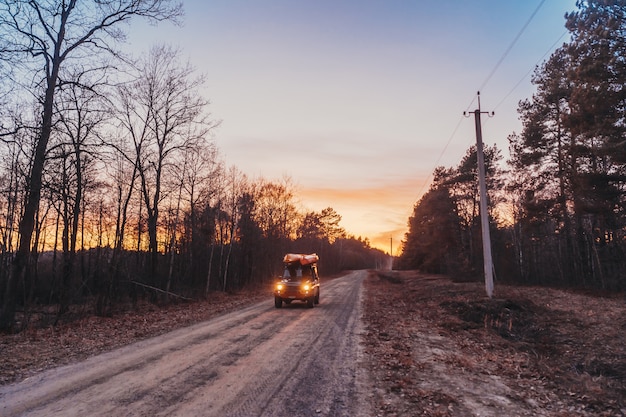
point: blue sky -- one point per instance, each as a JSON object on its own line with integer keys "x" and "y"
{"x": 359, "y": 101}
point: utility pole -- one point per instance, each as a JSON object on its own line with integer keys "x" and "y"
{"x": 484, "y": 214}
{"x": 391, "y": 253}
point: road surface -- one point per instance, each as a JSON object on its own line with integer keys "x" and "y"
{"x": 259, "y": 361}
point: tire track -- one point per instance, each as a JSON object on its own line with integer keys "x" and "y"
{"x": 257, "y": 361}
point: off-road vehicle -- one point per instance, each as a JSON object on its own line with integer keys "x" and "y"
{"x": 299, "y": 281}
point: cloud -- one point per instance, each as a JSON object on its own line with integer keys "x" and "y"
{"x": 379, "y": 212}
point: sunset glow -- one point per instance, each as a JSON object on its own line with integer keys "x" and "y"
{"x": 379, "y": 213}
{"x": 358, "y": 102}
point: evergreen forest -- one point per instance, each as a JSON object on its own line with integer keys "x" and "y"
{"x": 557, "y": 204}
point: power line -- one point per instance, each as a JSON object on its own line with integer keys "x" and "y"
{"x": 445, "y": 148}
{"x": 506, "y": 52}
{"x": 495, "y": 68}
{"x": 421, "y": 192}
{"x": 530, "y": 70}
{"x": 493, "y": 71}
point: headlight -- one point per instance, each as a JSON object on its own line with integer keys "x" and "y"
{"x": 306, "y": 287}
{"x": 279, "y": 287}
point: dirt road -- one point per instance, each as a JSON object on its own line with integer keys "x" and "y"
{"x": 259, "y": 361}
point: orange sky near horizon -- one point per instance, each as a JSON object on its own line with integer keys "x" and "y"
{"x": 379, "y": 213}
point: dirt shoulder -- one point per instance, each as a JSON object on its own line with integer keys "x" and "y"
{"x": 432, "y": 347}
{"x": 440, "y": 348}
{"x": 80, "y": 335}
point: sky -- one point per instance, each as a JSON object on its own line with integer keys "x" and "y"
{"x": 358, "y": 101}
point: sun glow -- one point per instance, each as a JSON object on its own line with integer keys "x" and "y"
{"x": 379, "y": 213}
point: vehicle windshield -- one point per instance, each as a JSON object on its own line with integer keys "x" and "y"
{"x": 296, "y": 272}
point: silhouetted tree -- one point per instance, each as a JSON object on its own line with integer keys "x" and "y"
{"x": 43, "y": 38}
{"x": 568, "y": 162}
{"x": 432, "y": 242}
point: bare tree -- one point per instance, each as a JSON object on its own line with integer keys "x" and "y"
{"x": 195, "y": 175}
{"x": 166, "y": 118}
{"x": 45, "y": 36}
{"x": 237, "y": 185}
{"x": 276, "y": 215}
{"x": 79, "y": 115}
{"x": 10, "y": 190}
{"x": 203, "y": 167}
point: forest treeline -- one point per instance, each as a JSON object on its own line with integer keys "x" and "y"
{"x": 111, "y": 185}
{"x": 557, "y": 206}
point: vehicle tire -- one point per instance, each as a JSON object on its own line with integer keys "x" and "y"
{"x": 310, "y": 301}
{"x": 317, "y": 297}
{"x": 278, "y": 302}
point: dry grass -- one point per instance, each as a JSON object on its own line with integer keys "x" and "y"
{"x": 445, "y": 349}
{"x": 433, "y": 347}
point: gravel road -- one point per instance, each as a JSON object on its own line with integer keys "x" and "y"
{"x": 259, "y": 361}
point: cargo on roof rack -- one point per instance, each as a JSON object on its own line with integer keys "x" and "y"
{"x": 301, "y": 258}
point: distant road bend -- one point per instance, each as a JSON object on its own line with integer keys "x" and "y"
{"x": 259, "y": 361}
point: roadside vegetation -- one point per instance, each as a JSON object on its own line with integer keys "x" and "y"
{"x": 113, "y": 191}
{"x": 111, "y": 186}
{"x": 557, "y": 206}
{"x": 441, "y": 348}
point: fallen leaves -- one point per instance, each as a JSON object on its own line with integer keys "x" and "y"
{"x": 445, "y": 349}
{"x": 432, "y": 347}
{"x": 79, "y": 336}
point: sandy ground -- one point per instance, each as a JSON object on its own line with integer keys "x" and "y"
{"x": 257, "y": 361}
{"x": 379, "y": 344}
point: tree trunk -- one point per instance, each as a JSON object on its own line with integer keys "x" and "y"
{"x": 208, "y": 275}
{"x": 27, "y": 223}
